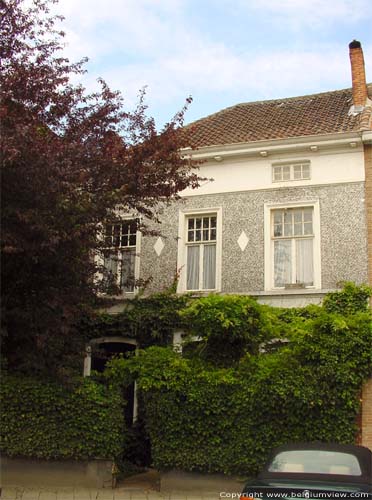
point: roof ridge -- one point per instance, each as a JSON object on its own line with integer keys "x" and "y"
{"x": 268, "y": 101}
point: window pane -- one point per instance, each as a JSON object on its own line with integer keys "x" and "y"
{"x": 277, "y": 173}
{"x": 191, "y": 223}
{"x": 306, "y": 171}
{"x": 127, "y": 270}
{"x": 308, "y": 228}
{"x": 297, "y": 171}
{"x": 286, "y": 173}
{"x": 213, "y": 221}
{"x": 198, "y": 223}
{"x": 213, "y": 234}
{"x": 190, "y": 236}
{"x": 278, "y": 230}
{"x": 198, "y": 235}
{"x": 304, "y": 262}
{"x": 316, "y": 462}
{"x": 205, "y": 234}
{"x": 206, "y": 222}
{"x": 209, "y": 267}
{"x": 288, "y": 229}
{"x": 110, "y": 263}
{"x": 278, "y": 214}
{"x": 297, "y": 216}
{"x": 193, "y": 267}
{"x": 282, "y": 262}
{"x": 308, "y": 214}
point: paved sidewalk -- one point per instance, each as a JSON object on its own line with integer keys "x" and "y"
{"x": 151, "y": 485}
{"x": 21, "y": 493}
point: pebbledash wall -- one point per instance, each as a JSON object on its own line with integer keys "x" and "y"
{"x": 241, "y": 191}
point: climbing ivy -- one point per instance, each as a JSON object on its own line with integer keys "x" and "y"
{"x": 150, "y": 320}
{"x": 43, "y": 419}
{"x": 201, "y": 415}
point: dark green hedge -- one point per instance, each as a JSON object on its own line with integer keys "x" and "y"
{"x": 202, "y": 417}
{"x": 47, "y": 420}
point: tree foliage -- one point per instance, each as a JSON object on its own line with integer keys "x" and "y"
{"x": 70, "y": 161}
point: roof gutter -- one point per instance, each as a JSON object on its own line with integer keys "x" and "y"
{"x": 264, "y": 148}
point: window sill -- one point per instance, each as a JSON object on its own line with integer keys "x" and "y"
{"x": 121, "y": 296}
{"x": 294, "y": 291}
{"x": 198, "y": 293}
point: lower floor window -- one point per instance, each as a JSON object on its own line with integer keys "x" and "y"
{"x": 120, "y": 267}
{"x": 293, "y": 246}
{"x": 201, "y": 237}
{"x": 119, "y": 257}
{"x": 201, "y": 267}
{"x": 199, "y": 250}
{"x": 293, "y": 262}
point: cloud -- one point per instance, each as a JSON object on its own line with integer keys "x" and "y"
{"x": 297, "y": 14}
{"x": 134, "y": 43}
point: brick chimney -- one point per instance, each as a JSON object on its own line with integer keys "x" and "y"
{"x": 358, "y": 74}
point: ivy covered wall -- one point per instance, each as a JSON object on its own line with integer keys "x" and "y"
{"x": 205, "y": 412}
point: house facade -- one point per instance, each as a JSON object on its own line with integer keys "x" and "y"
{"x": 285, "y": 214}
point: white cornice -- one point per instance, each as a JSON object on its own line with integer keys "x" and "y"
{"x": 264, "y": 148}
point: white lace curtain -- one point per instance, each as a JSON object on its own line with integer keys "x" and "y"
{"x": 284, "y": 252}
{"x": 208, "y": 264}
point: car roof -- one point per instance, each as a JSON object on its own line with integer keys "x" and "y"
{"x": 363, "y": 455}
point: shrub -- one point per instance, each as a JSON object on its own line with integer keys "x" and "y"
{"x": 228, "y": 325}
{"x": 47, "y": 420}
{"x": 213, "y": 419}
{"x": 351, "y": 299}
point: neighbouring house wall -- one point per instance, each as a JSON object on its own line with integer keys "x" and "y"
{"x": 367, "y": 390}
{"x": 342, "y": 235}
{"x": 366, "y": 423}
{"x": 368, "y": 198}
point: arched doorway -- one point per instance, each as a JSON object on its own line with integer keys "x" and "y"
{"x": 101, "y": 350}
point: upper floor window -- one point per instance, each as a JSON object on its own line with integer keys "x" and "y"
{"x": 121, "y": 241}
{"x": 291, "y": 172}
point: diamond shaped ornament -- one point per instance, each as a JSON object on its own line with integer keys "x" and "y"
{"x": 243, "y": 241}
{"x": 158, "y": 247}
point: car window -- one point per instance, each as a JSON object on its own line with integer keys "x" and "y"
{"x": 316, "y": 462}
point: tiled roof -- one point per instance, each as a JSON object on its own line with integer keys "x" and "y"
{"x": 317, "y": 114}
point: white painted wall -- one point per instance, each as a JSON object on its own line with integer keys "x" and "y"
{"x": 255, "y": 173}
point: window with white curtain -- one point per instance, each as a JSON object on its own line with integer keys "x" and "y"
{"x": 292, "y": 234}
{"x": 121, "y": 241}
{"x": 201, "y": 240}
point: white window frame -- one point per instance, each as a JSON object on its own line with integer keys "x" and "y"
{"x": 291, "y": 166}
{"x": 135, "y": 290}
{"x": 269, "y": 243}
{"x": 184, "y": 215}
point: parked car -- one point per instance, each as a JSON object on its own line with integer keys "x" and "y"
{"x": 313, "y": 471}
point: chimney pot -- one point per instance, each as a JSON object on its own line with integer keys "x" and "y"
{"x": 358, "y": 75}
{"x": 355, "y": 45}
